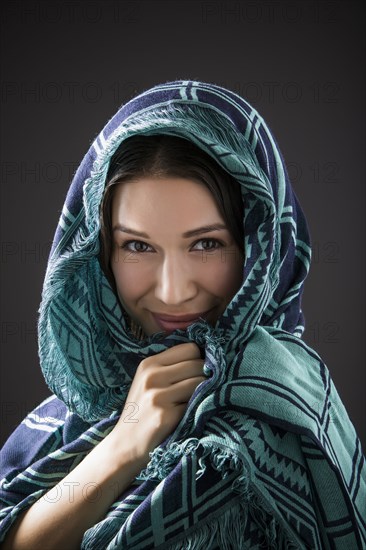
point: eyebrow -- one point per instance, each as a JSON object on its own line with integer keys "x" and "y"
{"x": 191, "y": 233}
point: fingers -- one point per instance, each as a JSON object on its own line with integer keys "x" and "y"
{"x": 182, "y": 391}
{"x": 176, "y": 354}
{"x": 162, "y": 387}
{"x": 175, "y": 373}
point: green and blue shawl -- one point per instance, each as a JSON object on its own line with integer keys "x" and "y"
{"x": 265, "y": 455}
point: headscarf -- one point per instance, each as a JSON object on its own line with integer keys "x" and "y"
{"x": 265, "y": 452}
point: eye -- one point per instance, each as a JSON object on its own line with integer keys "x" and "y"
{"x": 136, "y": 246}
{"x": 207, "y": 244}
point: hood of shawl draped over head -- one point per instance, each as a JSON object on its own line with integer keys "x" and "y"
{"x": 88, "y": 353}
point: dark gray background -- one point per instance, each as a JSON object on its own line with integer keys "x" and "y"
{"x": 66, "y": 68}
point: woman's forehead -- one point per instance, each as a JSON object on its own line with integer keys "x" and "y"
{"x": 152, "y": 195}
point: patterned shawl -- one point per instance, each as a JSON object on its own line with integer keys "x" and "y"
{"x": 265, "y": 455}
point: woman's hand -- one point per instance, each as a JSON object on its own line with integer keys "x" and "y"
{"x": 157, "y": 400}
{"x": 160, "y": 391}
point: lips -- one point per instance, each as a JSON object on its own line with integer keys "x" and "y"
{"x": 172, "y": 322}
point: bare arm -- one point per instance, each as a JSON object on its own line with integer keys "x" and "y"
{"x": 60, "y": 518}
{"x": 162, "y": 387}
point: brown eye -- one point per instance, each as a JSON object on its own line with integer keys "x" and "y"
{"x": 207, "y": 244}
{"x": 136, "y": 246}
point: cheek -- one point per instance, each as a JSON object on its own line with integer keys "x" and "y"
{"x": 131, "y": 275}
{"x": 223, "y": 274}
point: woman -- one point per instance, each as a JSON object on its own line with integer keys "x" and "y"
{"x": 189, "y": 413}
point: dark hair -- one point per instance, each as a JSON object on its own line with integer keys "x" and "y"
{"x": 163, "y": 156}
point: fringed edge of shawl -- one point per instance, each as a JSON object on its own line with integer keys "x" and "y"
{"x": 227, "y": 532}
{"x": 226, "y": 529}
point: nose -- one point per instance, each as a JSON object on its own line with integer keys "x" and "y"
{"x": 174, "y": 281}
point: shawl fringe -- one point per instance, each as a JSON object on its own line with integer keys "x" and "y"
{"x": 227, "y": 532}
{"x": 267, "y": 421}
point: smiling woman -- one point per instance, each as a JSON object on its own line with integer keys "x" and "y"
{"x": 170, "y": 274}
{"x": 172, "y": 278}
{"x": 187, "y": 412}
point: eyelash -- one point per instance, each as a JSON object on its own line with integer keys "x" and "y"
{"x": 218, "y": 244}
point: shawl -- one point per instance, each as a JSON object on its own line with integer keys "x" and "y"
{"x": 265, "y": 454}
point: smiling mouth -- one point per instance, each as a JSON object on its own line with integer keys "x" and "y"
{"x": 172, "y": 322}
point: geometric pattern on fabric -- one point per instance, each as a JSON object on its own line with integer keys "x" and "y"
{"x": 265, "y": 455}
{"x": 237, "y": 469}
{"x": 277, "y": 244}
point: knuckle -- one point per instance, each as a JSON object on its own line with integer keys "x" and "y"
{"x": 155, "y": 399}
{"x": 145, "y": 363}
{"x": 149, "y": 380}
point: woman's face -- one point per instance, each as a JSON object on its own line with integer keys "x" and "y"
{"x": 173, "y": 259}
